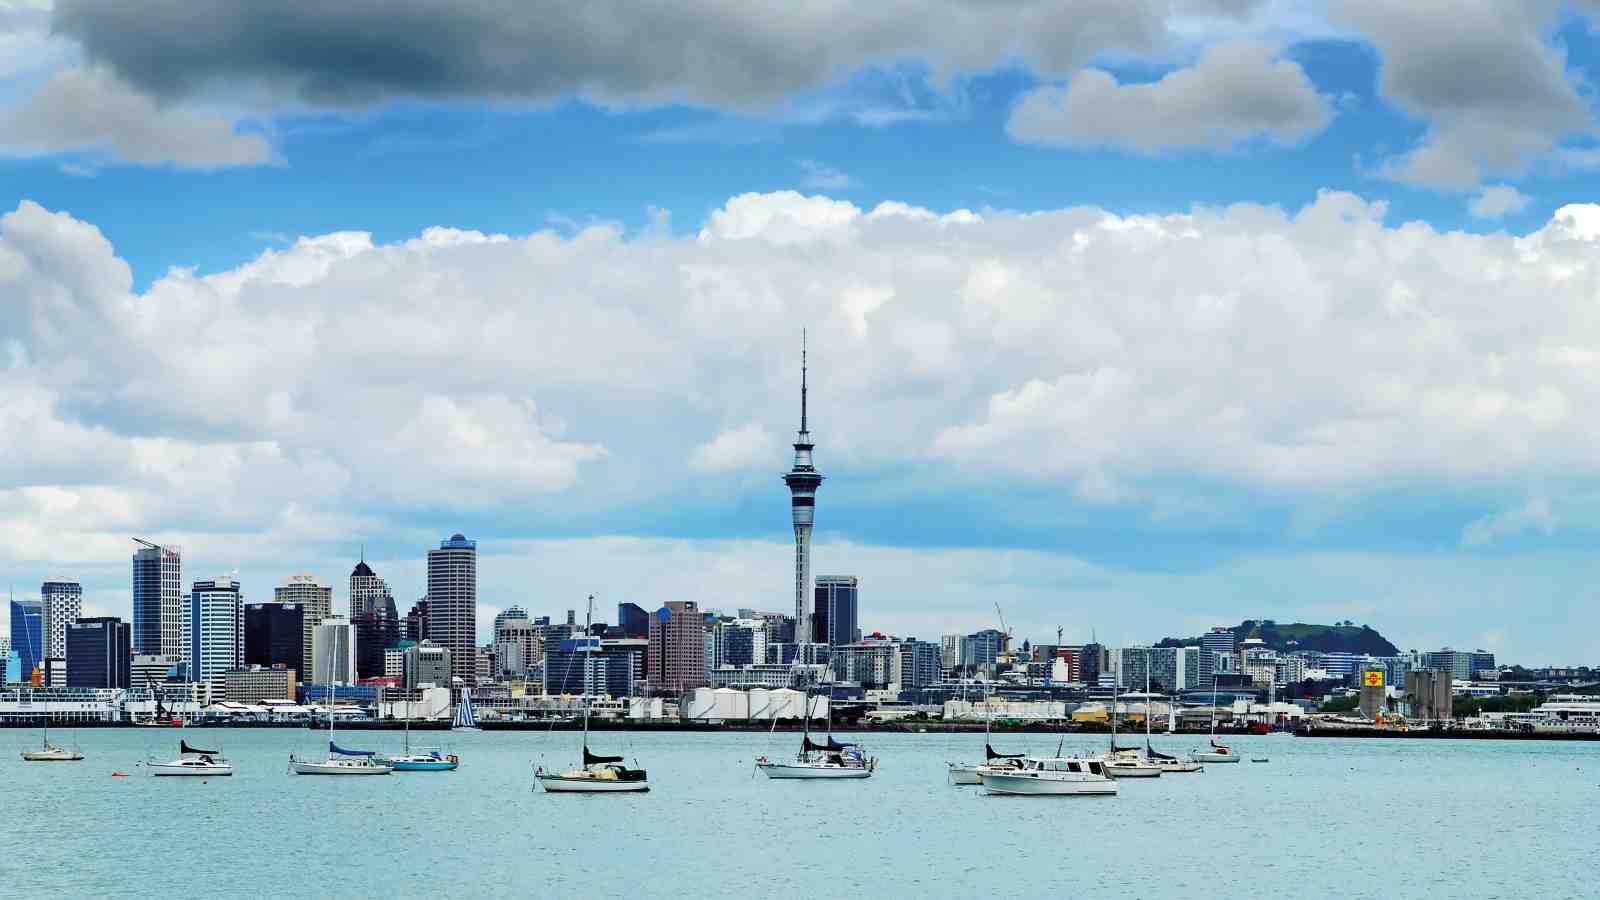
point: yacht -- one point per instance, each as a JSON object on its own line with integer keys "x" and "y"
{"x": 1170, "y": 765}
{"x": 597, "y": 774}
{"x": 1216, "y": 753}
{"x": 424, "y": 759}
{"x": 1036, "y": 776}
{"x": 972, "y": 773}
{"x": 51, "y": 753}
{"x": 194, "y": 762}
{"x": 1128, "y": 762}
{"x": 832, "y": 759}
{"x": 339, "y": 761}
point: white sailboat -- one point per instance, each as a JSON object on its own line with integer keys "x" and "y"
{"x": 961, "y": 773}
{"x": 1217, "y": 752}
{"x": 597, "y": 774}
{"x": 48, "y": 752}
{"x": 192, "y": 761}
{"x": 1169, "y": 765}
{"x": 815, "y": 761}
{"x": 1128, "y": 762}
{"x": 340, "y": 761}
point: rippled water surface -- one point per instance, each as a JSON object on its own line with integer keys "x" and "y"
{"x": 1322, "y": 818}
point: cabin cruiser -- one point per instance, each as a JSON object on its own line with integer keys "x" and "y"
{"x": 1036, "y": 776}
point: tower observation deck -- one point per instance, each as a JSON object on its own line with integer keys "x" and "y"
{"x": 803, "y": 480}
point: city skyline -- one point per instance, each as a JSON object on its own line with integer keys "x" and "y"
{"x": 1180, "y": 312}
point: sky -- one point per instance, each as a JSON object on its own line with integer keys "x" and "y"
{"x": 1125, "y": 317}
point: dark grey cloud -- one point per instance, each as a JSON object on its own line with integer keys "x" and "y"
{"x": 722, "y": 52}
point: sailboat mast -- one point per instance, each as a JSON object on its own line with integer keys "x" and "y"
{"x": 588, "y": 626}
{"x": 1147, "y": 705}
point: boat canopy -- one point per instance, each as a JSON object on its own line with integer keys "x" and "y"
{"x": 183, "y": 747}
{"x": 590, "y": 759}
{"x": 1154, "y": 753}
{"x": 340, "y": 751}
{"x": 1116, "y": 749}
{"x": 832, "y": 745}
{"x": 989, "y": 752}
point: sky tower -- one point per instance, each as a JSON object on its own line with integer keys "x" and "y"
{"x": 803, "y": 481}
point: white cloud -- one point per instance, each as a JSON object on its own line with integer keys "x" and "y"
{"x": 822, "y": 177}
{"x": 1533, "y": 515}
{"x": 740, "y": 448}
{"x": 1238, "y": 91}
{"x": 89, "y": 109}
{"x": 1498, "y": 201}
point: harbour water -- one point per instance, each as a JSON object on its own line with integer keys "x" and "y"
{"x": 1324, "y": 817}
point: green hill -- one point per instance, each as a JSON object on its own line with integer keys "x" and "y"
{"x": 1344, "y": 637}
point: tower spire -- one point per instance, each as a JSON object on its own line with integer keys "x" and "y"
{"x": 803, "y": 429}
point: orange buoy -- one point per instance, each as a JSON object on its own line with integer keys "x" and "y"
{"x": 119, "y": 774}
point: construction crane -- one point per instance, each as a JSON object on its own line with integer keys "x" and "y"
{"x": 1005, "y": 633}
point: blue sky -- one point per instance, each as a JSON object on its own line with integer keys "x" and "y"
{"x": 1131, "y": 317}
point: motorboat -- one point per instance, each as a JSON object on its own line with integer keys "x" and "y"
{"x": 192, "y": 761}
{"x": 1051, "y": 777}
{"x": 597, "y": 774}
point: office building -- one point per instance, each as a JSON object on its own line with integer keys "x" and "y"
{"x": 61, "y": 603}
{"x": 157, "y": 599}
{"x": 213, "y": 628}
{"x": 870, "y": 663}
{"x": 518, "y": 647}
{"x": 153, "y": 669}
{"x": 427, "y": 664}
{"x": 415, "y": 626}
{"x": 803, "y": 480}
{"x": 27, "y": 636}
{"x": 333, "y": 649}
{"x": 981, "y": 648}
{"x": 453, "y": 604}
{"x": 676, "y": 658}
{"x": 368, "y": 593}
{"x": 257, "y": 683}
{"x": 916, "y": 664}
{"x": 375, "y": 633}
{"x": 509, "y": 614}
{"x": 835, "y": 611}
{"x": 315, "y": 600}
{"x": 274, "y": 635}
{"x": 1463, "y": 665}
{"x": 394, "y": 664}
{"x": 633, "y": 621}
{"x": 1218, "y": 642}
{"x": 1171, "y": 669}
{"x": 99, "y": 653}
{"x": 599, "y": 671}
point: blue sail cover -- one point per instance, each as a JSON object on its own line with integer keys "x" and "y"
{"x": 465, "y": 717}
{"x": 340, "y": 751}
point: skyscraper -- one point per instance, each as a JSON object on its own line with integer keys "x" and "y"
{"x": 835, "y": 616}
{"x": 316, "y": 603}
{"x": 1218, "y": 642}
{"x": 506, "y": 615}
{"x": 213, "y": 632}
{"x": 368, "y": 592}
{"x": 803, "y": 481}
{"x": 453, "y": 603}
{"x": 60, "y": 602}
{"x": 274, "y": 635}
{"x": 98, "y": 654}
{"x": 27, "y": 635}
{"x": 334, "y": 652}
{"x": 157, "y": 599}
{"x": 676, "y": 656}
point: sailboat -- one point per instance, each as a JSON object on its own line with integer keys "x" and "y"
{"x": 1167, "y": 764}
{"x": 1128, "y": 762}
{"x": 831, "y": 759}
{"x": 1218, "y": 753}
{"x": 340, "y": 761}
{"x": 466, "y": 718}
{"x": 972, "y": 773}
{"x": 597, "y": 774}
{"x": 426, "y": 759}
{"x": 192, "y": 761}
{"x": 49, "y": 752}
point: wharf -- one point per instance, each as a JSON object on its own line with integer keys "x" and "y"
{"x": 1449, "y": 734}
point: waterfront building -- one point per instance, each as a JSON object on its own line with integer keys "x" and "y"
{"x": 427, "y": 663}
{"x": 257, "y": 683}
{"x": 1093, "y": 661}
{"x": 213, "y": 628}
{"x": 1429, "y": 695}
{"x": 1291, "y": 669}
{"x": 869, "y": 663}
{"x": 676, "y": 657}
{"x": 157, "y": 668}
{"x": 834, "y": 616}
{"x": 633, "y": 621}
{"x": 333, "y": 646}
{"x": 157, "y": 599}
{"x": 570, "y": 670}
{"x": 486, "y": 667}
{"x": 453, "y": 604}
{"x": 1219, "y": 642}
{"x": 1374, "y": 693}
{"x": 803, "y": 480}
{"x": 99, "y": 653}
{"x": 27, "y": 636}
{"x": 316, "y": 603}
{"x": 61, "y": 603}
{"x": 394, "y": 663}
{"x": 369, "y": 594}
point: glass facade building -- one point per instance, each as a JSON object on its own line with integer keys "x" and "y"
{"x": 99, "y": 653}
{"x": 834, "y": 616}
{"x": 27, "y": 636}
{"x": 157, "y": 599}
{"x": 453, "y": 604}
{"x": 274, "y": 636}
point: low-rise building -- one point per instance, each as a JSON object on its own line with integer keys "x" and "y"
{"x": 258, "y": 683}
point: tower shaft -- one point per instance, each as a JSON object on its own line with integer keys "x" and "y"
{"x": 803, "y": 480}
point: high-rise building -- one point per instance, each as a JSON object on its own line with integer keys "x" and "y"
{"x": 213, "y": 628}
{"x": 333, "y": 648}
{"x": 676, "y": 658}
{"x": 508, "y": 614}
{"x": 274, "y": 635}
{"x": 834, "y": 617}
{"x": 1219, "y": 641}
{"x": 571, "y": 669}
{"x": 256, "y": 683}
{"x": 1462, "y": 665}
{"x": 803, "y": 480}
{"x": 375, "y": 634}
{"x": 316, "y": 604}
{"x": 916, "y": 664}
{"x": 157, "y": 599}
{"x": 1092, "y": 662}
{"x": 61, "y": 603}
{"x": 27, "y": 635}
{"x": 415, "y": 626}
{"x": 427, "y": 663}
{"x": 368, "y": 592}
{"x": 633, "y": 621}
{"x": 99, "y": 653}
{"x": 453, "y": 604}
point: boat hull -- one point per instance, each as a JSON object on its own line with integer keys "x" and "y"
{"x": 433, "y": 765}
{"x": 168, "y": 769}
{"x": 1023, "y": 784}
{"x": 1180, "y": 767}
{"x": 556, "y": 784}
{"x": 1124, "y": 771}
{"x": 965, "y": 775}
{"x": 50, "y": 756}
{"x": 1214, "y": 757}
{"x": 812, "y": 772}
{"x": 336, "y": 768}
